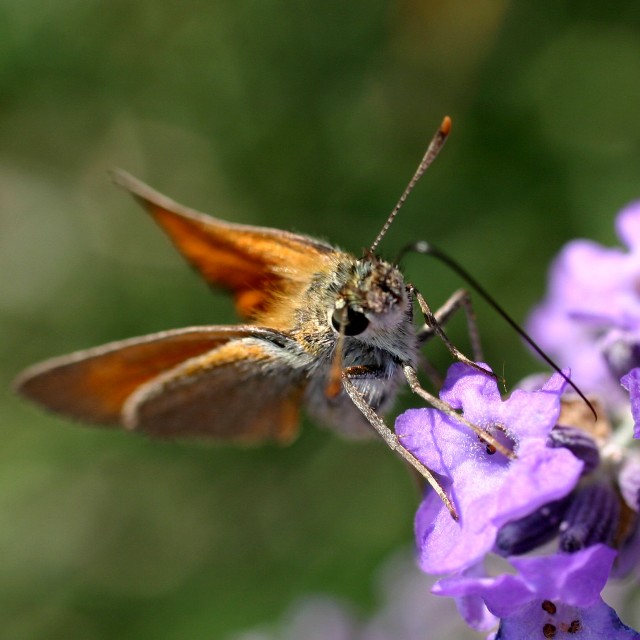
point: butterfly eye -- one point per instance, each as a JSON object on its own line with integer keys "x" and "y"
{"x": 356, "y": 322}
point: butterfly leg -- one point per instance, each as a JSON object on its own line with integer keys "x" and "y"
{"x": 461, "y": 299}
{"x": 414, "y": 384}
{"x": 389, "y": 436}
{"x": 435, "y": 326}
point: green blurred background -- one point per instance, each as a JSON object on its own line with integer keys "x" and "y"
{"x": 301, "y": 115}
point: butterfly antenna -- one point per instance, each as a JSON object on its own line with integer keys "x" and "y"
{"x": 436, "y": 144}
{"x": 425, "y": 248}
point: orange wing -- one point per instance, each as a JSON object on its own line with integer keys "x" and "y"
{"x": 244, "y": 391}
{"x": 254, "y": 263}
{"x": 93, "y": 385}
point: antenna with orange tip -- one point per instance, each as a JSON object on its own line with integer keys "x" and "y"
{"x": 436, "y": 144}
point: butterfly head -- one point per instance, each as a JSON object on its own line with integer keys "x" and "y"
{"x": 372, "y": 297}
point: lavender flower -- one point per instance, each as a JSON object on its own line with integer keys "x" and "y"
{"x": 487, "y": 489}
{"x": 549, "y": 597}
{"x": 590, "y": 319}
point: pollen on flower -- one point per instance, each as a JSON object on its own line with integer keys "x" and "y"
{"x": 549, "y": 607}
{"x": 574, "y": 626}
{"x": 549, "y": 630}
{"x": 499, "y": 433}
{"x": 491, "y": 449}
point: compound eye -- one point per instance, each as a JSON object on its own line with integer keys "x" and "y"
{"x": 356, "y": 322}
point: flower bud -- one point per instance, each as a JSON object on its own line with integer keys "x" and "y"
{"x": 532, "y": 531}
{"x": 578, "y": 442}
{"x": 591, "y": 518}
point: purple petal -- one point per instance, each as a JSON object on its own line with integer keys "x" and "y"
{"x": 533, "y": 414}
{"x": 628, "y": 225}
{"x": 436, "y": 442}
{"x": 474, "y": 612}
{"x": 629, "y": 481}
{"x": 539, "y": 475}
{"x": 503, "y": 595}
{"x": 586, "y": 279}
{"x": 573, "y": 578}
{"x": 466, "y": 386}
{"x": 631, "y": 382}
{"x": 445, "y": 545}
{"x": 472, "y": 608}
{"x": 596, "y": 622}
{"x": 523, "y": 413}
{"x": 576, "y": 579}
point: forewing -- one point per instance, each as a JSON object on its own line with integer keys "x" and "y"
{"x": 254, "y": 263}
{"x": 248, "y": 391}
{"x": 92, "y": 385}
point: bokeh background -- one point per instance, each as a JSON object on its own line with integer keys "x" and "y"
{"x": 301, "y": 115}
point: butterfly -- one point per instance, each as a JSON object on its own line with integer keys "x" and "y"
{"x": 323, "y": 329}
